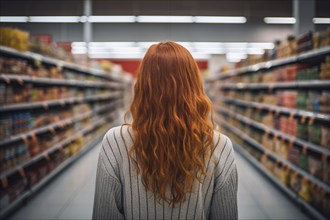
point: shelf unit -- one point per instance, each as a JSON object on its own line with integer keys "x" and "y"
{"x": 276, "y": 157}
{"x": 270, "y": 176}
{"x": 267, "y": 130}
{"x": 59, "y": 63}
{"x": 278, "y": 110}
{"x": 21, "y": 79}
{"x": 109, "y": 102}
{"x": 31, "y": 191}
{"x": 311, "y": 84}
{"x": 59, "y": 102}
{"x": 219, "y": 89}
{"x": 271, "y": 64}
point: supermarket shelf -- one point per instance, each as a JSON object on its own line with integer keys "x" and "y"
{"x": 250, "y": 140}
{"x": 312, "y": 211}
{"x": 50, "y": 176}
{"x": 277, "y": 109}
{"x": 308, "y": 84}
{"x": 289, "y": 138}
{"x": 55, "y": 147}
{"x": 21, "y": 79}
{"x": 271, "y": 64}
{"x": 59, "y": 63}
{"x": 58, "y": 102}
{"x": 53, "y": 126}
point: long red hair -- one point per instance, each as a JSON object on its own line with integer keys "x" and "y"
{"x": 172, "y": 122}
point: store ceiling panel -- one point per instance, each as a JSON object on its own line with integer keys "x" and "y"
{"x": 247, "y": 8}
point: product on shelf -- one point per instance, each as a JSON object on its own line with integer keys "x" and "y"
{"x": 15, "y": 38}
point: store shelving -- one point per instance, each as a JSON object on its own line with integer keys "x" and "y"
{"x": 30, "y": 192}
{"x": 317, "y": 84}
{"x": 270, "y": 176}
{"x": 59, "y": 63}
{"x": 53, "y": 126}
{"x": 276, "y": 133}
{"x": 271, "y": 64}
{"x": 59, "y": 102}
{"x": 279, "y": 110}
{"x": 237, "y": 96}
{"x": 275, "y": 157}
{"x": 21, "y": 79}
{"x": 96, "y": 98}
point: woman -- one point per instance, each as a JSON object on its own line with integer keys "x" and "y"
{"x": 169, "y": 163}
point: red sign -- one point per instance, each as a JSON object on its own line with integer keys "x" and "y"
{"x": 64, "y": 45}
{"x": 44, "y": 38}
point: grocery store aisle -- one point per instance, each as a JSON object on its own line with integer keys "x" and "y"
{"x": 70, "y": 195}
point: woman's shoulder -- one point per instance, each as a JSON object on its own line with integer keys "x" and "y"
{"x": 221, "y": 140}
{"x": 118, "y": 131}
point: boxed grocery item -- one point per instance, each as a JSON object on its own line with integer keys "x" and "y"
{"x": 305, "y": 191}
{"x": 315, "y": 166}
{"x": 295, "y": 181}
{"x": 325, "y": 136}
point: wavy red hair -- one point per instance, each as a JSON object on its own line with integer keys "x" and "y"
{"x": 172, "y": 122}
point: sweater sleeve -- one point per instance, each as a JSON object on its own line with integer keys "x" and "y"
{"x": 224, "y": 200}
{"x": 107, "y": 200}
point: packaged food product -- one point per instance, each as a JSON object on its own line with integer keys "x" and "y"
{"x": 295, "y": 181}
{"x": 315, "y": 166}
{"x": 325, "y": 137}
{"x": 305, "y": 191}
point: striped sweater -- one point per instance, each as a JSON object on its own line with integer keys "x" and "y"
{"x": 120, "y": 194}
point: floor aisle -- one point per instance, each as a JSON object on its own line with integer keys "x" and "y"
{"x": 70, "y": 195}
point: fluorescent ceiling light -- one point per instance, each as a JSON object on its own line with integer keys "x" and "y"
{"x": 279, "y": 20}
{"x": 116, "y": 55}
{"x": 146, "y": 44}
{"x": 255, "y": 51}
{"x": 113, "y": 49}
{"x": 164, "y": 19}
{"x": 209, "y": 50}
{"x": 236, "y": 55}
{"x": 78, "y": 44}
{"x": 219, "y": 19}
{"x": 233, "y": 60}
{"x": 235, "y": 44}
{"x": 112, "y": 19}
{"x": 112, "y": 44}
{"x": 207, "y": 44}
{"x": 200, "y": 56}
{"x": 14, "y": 19}
{"x": 55, "y": 19}
{"x": 261, "y": 45}
{"x": 321, "y": 20}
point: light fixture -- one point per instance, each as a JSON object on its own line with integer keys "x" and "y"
{"x": 112, "y": 44}
{"x": 255, "y": 51}
{"x": 14, "y": 19}
{"x": 321, "y": 20}
{"x": 116, "y": 55}
{"x": 164, "y": 19}
{"x": 233, "y": 50}
{"x": 279, "y": 20}
{"x": 236, "y": 56}
{"x": 112, "y": 19}
{"x": 200, "y": 56}
{"x": 54, "y": 19}
{"x": 80, "y": 50}
{"x": 219, "y": 19}
{"x": 263, "y": 45}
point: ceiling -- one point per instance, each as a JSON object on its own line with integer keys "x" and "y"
{"x": 248, "y": 8}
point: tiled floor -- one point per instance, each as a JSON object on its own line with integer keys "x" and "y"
{"x": 70, "y": 195}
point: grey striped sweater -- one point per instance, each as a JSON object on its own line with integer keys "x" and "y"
{"x": 120, "y": 194}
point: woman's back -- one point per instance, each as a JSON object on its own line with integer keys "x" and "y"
{"x": 168, "y": 163}
{"x": 120, "y": 193}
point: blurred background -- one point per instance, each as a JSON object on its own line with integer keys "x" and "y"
{"x": 66, "y": 75}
